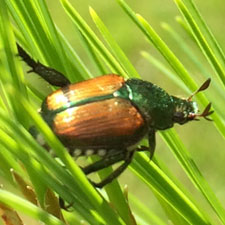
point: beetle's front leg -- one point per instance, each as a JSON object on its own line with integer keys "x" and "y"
{"x": 52, "y": 76}
{"x": 151, "y": 141}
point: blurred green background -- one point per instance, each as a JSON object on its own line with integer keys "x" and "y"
{"x": 208, "y": 155}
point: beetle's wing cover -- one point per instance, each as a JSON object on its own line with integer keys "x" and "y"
{"x": 98, "y": 86}
{"x": 102, "y": 124}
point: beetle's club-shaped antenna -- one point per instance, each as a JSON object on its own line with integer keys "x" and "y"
{"x": 206, "y": 111}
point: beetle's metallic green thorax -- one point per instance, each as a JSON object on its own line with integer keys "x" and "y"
{"x": 152, "y": 101}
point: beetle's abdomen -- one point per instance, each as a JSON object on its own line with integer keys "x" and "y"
{"x": 104, "y": 124}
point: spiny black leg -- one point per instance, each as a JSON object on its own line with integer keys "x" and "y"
{"x": 103, "y": 163}
{"x": 116, "y": 172}
{"x": 151, "y": 141}
{"x": 52, "y": 76}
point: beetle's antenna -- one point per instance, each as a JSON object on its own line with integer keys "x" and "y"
{"x": 204, "y": 86}
{"x": 205, "y": 113}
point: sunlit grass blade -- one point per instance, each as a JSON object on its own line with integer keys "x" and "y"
{"x": 79, "y": 70}
{"x": 217, "y": 90}
{"x": 75, "y": 59}
{"x": 8, "y": 58}
{"x": 7, "y": 163}
{"x": 145, "y": 213}
{"x": 106, "y": 56}
{"x": 173, "y": 215}
{"x": 198, "y": 26}
{"x": 186, "y": 49}
{"x": 114, "y": 47}
{"x": 157, "y": 180}
{"x": 116, "y": 196}
{"x": 203, "y": 44}
{"x": 102, "y": 68}
{"x": 160, "y": 45}
{"x": 208, "y": 35}
{"x": 41, "y": 35}
{"x": 158, "y": 64}
{"x": 49, "y": 26}
{"x": 192, "y": 170}
{"x": 9, "y": 64}
{"x": 184, "y": 25}
{"x": 32, "y": 28}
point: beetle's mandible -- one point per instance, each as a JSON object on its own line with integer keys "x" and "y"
{"x": 109, "y": 115}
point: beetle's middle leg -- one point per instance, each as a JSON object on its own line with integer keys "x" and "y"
{"x": 52, "y": 76}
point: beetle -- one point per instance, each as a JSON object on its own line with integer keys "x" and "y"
{"x": 109, "y": 115}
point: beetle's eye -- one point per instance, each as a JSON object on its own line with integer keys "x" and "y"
{"x": 178, "y": 117}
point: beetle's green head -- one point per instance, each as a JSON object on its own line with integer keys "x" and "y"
{"x": 186, "y": 110}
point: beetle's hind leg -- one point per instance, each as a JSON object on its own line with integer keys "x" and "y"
{"x": 108, "y": 161}
{"x": 52, "y": 76}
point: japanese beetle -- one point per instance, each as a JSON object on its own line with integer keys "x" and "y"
{"x": 109, "y": 115}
